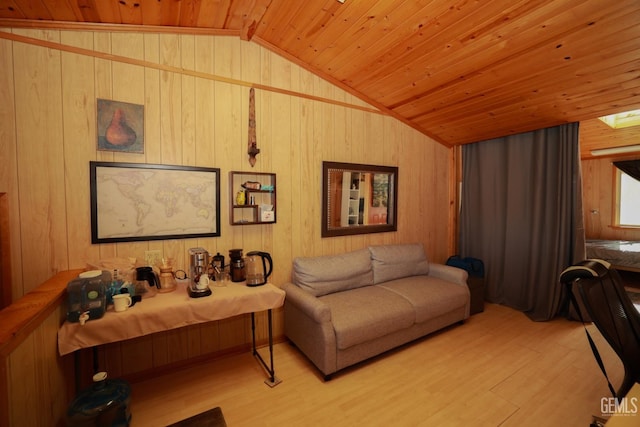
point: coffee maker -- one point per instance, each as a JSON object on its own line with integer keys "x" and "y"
{"x": 198, "y": 273}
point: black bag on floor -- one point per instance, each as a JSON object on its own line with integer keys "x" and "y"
{"x": 473, "y": 266}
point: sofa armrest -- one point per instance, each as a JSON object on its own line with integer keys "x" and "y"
{"x": 448, "y": 273}
{"x": 307, "y": 303}
{"x": 307, "y": 323}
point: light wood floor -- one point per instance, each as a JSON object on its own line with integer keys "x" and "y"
{"x": 498, "y": 369}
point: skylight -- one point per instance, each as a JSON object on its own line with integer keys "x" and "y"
{"x": 622, "y": 120}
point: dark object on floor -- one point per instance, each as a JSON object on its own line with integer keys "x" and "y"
{"x": 211, "y": 418}
{"x": 475, "y": 268}
{"x": 602, "y": 292}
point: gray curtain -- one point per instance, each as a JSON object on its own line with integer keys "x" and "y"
{"x": 521, "y": 214}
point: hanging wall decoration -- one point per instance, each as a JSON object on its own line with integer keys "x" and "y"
{"x": 252, "y": 148}
{"x": 120, "y": 126}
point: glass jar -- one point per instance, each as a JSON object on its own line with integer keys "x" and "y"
{"x": 167, "y": 280}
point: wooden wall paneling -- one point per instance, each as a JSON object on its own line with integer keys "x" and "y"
{"x": 110, "y": 358}
{"x": 589, "y": 198}
{"x": 160, "y": 347}
{"x": 136, "y": 355}
{"x": 281, "y": 142}
{"x": 292, "y": 174}
{"x": 128, "y": 80}
{"x": 178, "y": 345}
{"x": 444, "y": 176}
{"x": 428, "y": 178}
{"x": 37, "y": 378}
{"x": 5, "y": 253}
{"x": 103, "y": 81}
{"x": 5, "y": 400}
{"x": 606, "y": 197}
{"x": 204, "y": 114}
{"x": 409, "y": 160}
{"x": 40, "y": 153}
{"x": 228, "y": 116}
{"x": 234, "y": 332}
{"x": 78, "y": 104}
{"x": 307, "y": 180}
{"x": 194, "y": 343}
{"x": 210, "y": 338}
{"x": 23, "y": 385}
{"x": 171, "y": 100}
{"x": 49, "y": 367}
{"x": 187, "y": 145}
{"x": 9, "y": 174}
{"x": 598, "y": 183}
{"x": 152, "y": 101}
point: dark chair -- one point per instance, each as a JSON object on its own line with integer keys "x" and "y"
{"x": 601, "y": 291}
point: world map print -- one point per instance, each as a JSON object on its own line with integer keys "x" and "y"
{"x": 154, "y": 202}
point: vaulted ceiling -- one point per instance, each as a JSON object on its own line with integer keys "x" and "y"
{"x": 458, "y": 71}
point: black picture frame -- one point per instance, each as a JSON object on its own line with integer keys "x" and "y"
{"x": 140, "y": 201}
{"x": 381, "y": 176}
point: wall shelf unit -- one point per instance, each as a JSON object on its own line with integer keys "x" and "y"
{"x": 257, "y": 202}
{"x": 354, "y": 199}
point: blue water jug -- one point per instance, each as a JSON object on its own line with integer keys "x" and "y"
{"x": 88, "y": 294}
{"x": 105, "y": 404}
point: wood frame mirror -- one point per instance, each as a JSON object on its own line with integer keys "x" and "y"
{"x": 358, "y": 199}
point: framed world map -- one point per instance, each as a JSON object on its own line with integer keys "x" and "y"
{"x": 139, "y": 201}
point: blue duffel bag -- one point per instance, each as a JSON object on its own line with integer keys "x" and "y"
{"x": 473, "y": 266}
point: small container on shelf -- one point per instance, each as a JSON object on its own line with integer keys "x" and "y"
{"x": 257, "y": 203}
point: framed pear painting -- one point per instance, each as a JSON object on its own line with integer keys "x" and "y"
{"x": 120, "y": 126}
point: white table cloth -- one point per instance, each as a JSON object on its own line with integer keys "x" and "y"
{"x": 167, "y": 311}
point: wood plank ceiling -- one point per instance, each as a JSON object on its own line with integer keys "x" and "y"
{"x": 459, "y": 71}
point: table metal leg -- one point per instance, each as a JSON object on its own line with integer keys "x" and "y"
{"x": 272, "y": 381}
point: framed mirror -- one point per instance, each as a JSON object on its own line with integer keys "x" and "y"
{"x": 358, "y": 199}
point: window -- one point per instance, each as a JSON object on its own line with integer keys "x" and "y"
{"x": 628, "y": 206}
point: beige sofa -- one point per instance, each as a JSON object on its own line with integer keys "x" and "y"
{"x": 343, "y": 309}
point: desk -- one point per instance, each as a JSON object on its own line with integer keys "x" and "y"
{"x": 174, "y": 310}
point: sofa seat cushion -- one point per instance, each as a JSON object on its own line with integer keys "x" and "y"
{"x": 323, "y": 275}
{"x": 430, "y": 296}
{"x": 367, "y": 313}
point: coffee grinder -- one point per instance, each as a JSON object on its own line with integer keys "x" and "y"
{"x": 198, "y": 273}
{"x": 236, "y": 265}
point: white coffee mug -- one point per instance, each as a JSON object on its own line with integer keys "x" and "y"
{"x": 121, "y": 302}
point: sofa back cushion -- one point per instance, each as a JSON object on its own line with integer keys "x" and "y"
{"x": 324, "y": 275}
{"x": 397, "y": 261}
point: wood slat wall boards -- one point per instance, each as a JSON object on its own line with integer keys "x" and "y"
{"x": 48, "y": 137}
{"x": 598, "y": 196}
